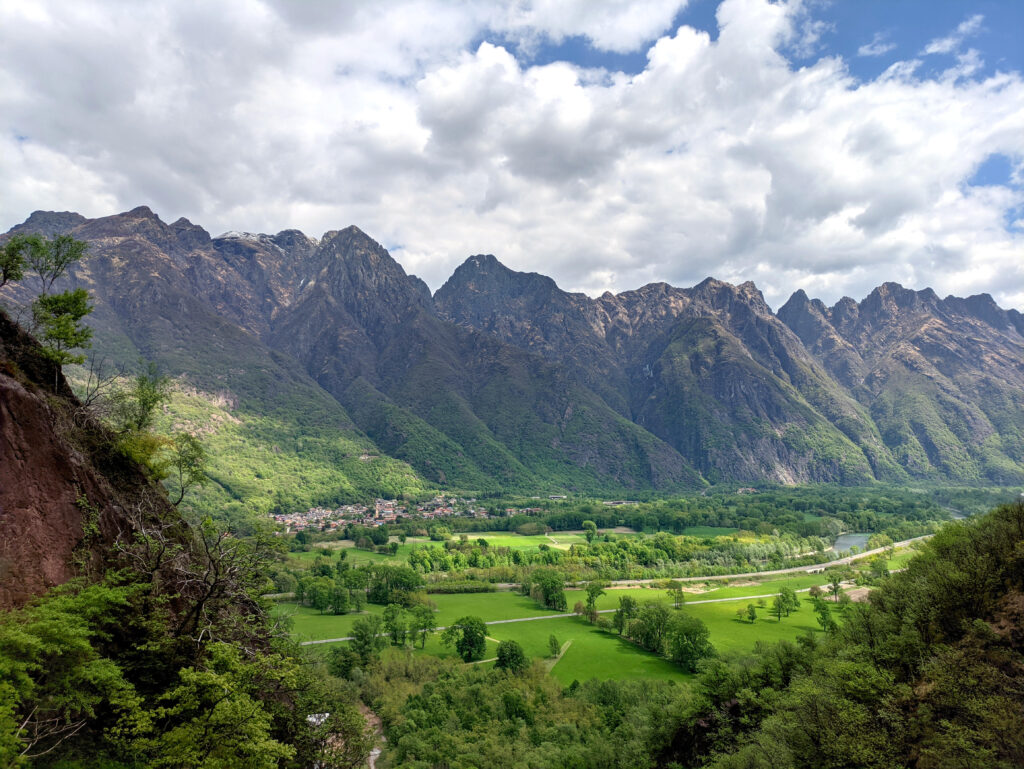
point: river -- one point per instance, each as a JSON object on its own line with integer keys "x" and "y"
{"x": 846, "y": 541}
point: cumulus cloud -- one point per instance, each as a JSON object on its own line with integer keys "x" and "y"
{"x": 722, "y": 157}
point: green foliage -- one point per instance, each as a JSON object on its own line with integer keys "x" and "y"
{"x": 13, "y": 257}
{"x": 396, "y": 624}
{"x": 469, "y": 637}
{"x": 54, "y": 678}
{"x": 511, "y": 657}
{"x": 687, "y": 641}
{"x": 214, "y": 717}
{"x": 554, "y": 647}
{"x": 135, "y": 406}
{"x": 367, "y": 638}
{"x": 57, "y": 319}
{"x": 49, "y": 258}
{"x": 185, "y": 464}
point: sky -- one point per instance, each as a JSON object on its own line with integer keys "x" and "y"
{"x": 823, "y": 145}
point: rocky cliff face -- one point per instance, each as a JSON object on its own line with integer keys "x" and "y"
{"x": 942, "y": 378}
{"x": 710, "y": 370}
{"x": 65, "y": 494}
{"x": 503, "y": 380}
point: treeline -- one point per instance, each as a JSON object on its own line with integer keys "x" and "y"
{"x": 340, "y": 588}
{"x": 930, "y": 673}
{"x": 618, "y": 557}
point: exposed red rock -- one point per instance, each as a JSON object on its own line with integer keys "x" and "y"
{"x": 65, "y": 493}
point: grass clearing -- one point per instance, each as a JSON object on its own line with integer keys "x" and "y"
{"x": 310, "y": 625}
{"x": 592, "y": 653}
{"x": 730, "y": 634}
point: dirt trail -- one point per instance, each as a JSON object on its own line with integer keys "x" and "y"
{"x": 554, "y": 660}
{"x": 373, "y": 720}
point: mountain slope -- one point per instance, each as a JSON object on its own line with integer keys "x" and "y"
{"x": 318, "y": 371}
{"x": 369, "y": 334}
{"x": 710, "y": 370}
{"x": 275, "y": 438}
{"x": 943, "y": 378}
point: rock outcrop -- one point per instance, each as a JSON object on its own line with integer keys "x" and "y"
{"x": 65, "y": 493}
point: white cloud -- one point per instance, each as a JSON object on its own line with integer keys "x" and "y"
{"x": 721, "y": 158}
{"x": 877, "y": 47}
{"x": 610, "y": 25}
{"x": 951, "y": 43}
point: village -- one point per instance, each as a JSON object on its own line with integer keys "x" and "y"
{"x": 383, "y": 511}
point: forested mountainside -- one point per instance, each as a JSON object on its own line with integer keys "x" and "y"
{"x": 127, "y": 637}
{"x": 320, "y": 364}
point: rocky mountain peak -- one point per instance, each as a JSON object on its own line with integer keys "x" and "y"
{"x": 190, "y": 236}
{"x": 141, "y": 212}
{"x": 51, "y": 223}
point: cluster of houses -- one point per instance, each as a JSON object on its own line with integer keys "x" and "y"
{"x": 383, "y": 511}
{"x": 319, "y": 518}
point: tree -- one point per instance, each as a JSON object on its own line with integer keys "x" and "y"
{"x": 554, "y": 647}
{"x": 676, "y": 595}
{"x": 686, "y": 641}
{"x": 878, "y": 567}
{"x": 779, "y": 607}
{"x": 367, "y": 640}
{"x": 341, "y": 661}
{"x": 648, "y": 629}
{"x": 836, "y": 583}
{"x": 186, "y": 463}
{"x": 590, "y": 530}
{"x": 57, "y": 321}
{"x": 624, "y": 614}
{"x": 50, "y": 259}
{"x": 824, "y": 615}
{"x": 815, "y": 591}
{"x": 550, "y": 587}
{"x": 13, "y": 256}
{"x": 395, "y": 623}
{"x": 594, "y": 591}
{"x": 751, "y": 613}
{"x": 213, "y": 718}
{"x": 790, "y": 601}
{"x": 339, "y": 598}
{"x": 318, "y": 590}
{"x": 511, "y": 657}
{"x": 469, "y": 636}
{"x": 135, "y": 408}
{"x": 343, "y": 739}
{"x": 422, "y": 623}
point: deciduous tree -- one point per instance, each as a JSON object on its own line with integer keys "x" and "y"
{"x": 469, "y": 636}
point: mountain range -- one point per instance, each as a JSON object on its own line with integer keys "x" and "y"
{"x": 318, "y": 371}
